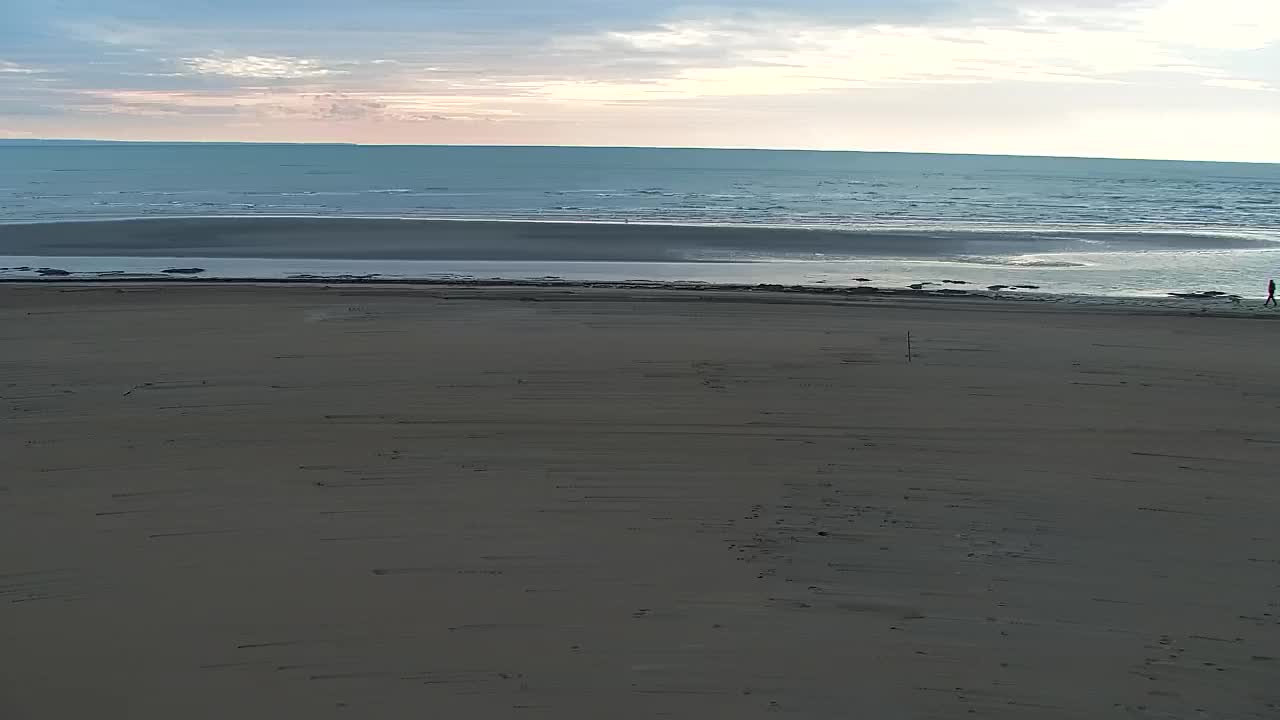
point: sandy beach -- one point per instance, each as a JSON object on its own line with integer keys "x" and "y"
{"x": 361, "y": 502}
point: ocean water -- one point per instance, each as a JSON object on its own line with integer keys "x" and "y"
{"x": 1107, "y": 227}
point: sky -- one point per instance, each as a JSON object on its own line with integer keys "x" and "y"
{"x": 1176, "y": 79}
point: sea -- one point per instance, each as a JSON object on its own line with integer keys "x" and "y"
{"x": 1064, "y": 226}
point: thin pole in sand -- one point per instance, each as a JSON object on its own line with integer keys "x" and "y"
{"x": 908, "y": 346}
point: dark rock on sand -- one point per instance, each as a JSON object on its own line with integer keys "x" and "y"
{"x": 184, "y": 271}
{"x": 956, "y": 282}
{"x": 1025, "y": 287}
{"x": 997, "y": 288}
{"x": 862, "y": 279}
{"x": 52, "y": 272}
{"x": 1203, "y": 295}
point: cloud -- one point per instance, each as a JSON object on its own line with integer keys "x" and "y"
{"x": 262, "y": 67}
{"x": 671, "y": 48}
{"x": 1239, "y": 84}
{"x": 267, "y": 103}
{"x": 16, "y": 69}
{"x": 341, "y": 107}
{"x": 625, "y": 72}
{"x": 1214, "y": 24}
{"x": 1039, "y": 43}
{"x": 159, "y": 103}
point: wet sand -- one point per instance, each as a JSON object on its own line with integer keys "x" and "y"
{"x": 385, "y": 503}
{"x": 427, "y": 239}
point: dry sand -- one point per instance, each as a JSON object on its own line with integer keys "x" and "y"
{"x": 241, "y": 502}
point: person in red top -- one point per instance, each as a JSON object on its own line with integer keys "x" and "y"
{"x": 1271, "y": 294}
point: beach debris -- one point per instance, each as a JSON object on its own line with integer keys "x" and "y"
{"x": 956, "y": 282}
{"x": 136, "y": 388}
{"x": 184, "y": 271}
{"x": 52, "y": 272}
{"x": 862, "y": 279}
{"x": 997, "y": 288}
{"x": 1203, "y": 295}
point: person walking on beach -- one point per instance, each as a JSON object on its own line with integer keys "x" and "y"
{"x": 1271, "y": 294}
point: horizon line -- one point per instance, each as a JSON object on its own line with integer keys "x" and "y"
{"x": 286, "y": 143}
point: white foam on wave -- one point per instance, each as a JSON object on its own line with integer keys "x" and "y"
{"x": 1020, "y": 261}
